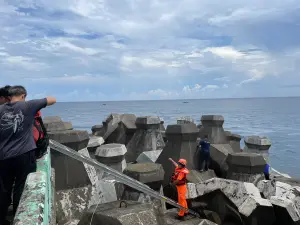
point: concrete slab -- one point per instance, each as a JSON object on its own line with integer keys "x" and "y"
{"x": 181, "y": 144}
{"x": 196, "y": 176}
{"x": 112, "y": 214}
{"x": 149, "y": 156}
{"x": 147, "y": 137}
{"x": 51, "y": 119}
{"x": 75, "y": 139}
{"x": 146, "y": 173}
{"x": 98, "y": 130}
{"x": 212, "y": 125}
{"x": 58, "y": 126}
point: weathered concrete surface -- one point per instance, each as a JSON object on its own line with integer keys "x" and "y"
{"x": 218, "y": 156}
{"x": 72, "y": 202}
{"x": 149, "y": 156}
{"x": 181, "y": 144}
{"x": 246, "y": 167}
{"x": 33, "y": 207}
{"x": 147, "y": 137}
{"x": 285, "y": 199}
{"x": 196, "y": 176}
{"x": 119, "y": 128}
{"x": 52, "y": 119}
{"x": 212, "y": 125}
{"x": 112, "y": 155}
{"x": 111, "y": 214}
{"x": 234, "y": 141}
{"x": 72, "y": 173}
{"x": 257, "y": 144}
{"x": 184, "y": 120}
{"x": 94, "y": 143}
{"x": 147, "y": 173}
{"x": 110, "y": 189}
{"x": 58, "y": 126}
{"x": 171, "y": 214}
{"x": 245, "y": 197}
{"x": 75, "y": 139}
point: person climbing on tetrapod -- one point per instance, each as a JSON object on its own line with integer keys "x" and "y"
{"x": 179, "y": 179}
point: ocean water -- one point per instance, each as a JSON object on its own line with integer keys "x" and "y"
{"x": 276, "y": 118}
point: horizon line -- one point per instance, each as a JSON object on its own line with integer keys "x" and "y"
{"x": 180, "y": 99}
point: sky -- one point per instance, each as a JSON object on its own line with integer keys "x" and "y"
{"x": 102, "y": 50}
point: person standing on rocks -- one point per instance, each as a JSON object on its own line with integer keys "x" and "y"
{"x": 17, "y": 145}
{"x": 204, "y": 154}
{"x": 179, "y": 179}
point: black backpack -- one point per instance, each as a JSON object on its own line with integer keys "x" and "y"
{"x": 43, "y": 142}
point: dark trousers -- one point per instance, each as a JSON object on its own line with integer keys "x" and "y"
{"x": 13, "y": 174}
{"x": 267, "y": 176}
{"x": 204, "y": 162}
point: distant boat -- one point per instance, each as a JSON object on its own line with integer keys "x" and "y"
{"x": 185, "y": 102}
{"x": 103, "y": 104}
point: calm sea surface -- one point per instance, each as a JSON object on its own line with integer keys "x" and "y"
{"x": 276, "y": 118}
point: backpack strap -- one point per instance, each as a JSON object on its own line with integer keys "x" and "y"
{"x": 42, "y": 126}
{"x": 37, "y": 127}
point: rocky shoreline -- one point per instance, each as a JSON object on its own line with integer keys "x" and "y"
{"x": 233, "y": 191}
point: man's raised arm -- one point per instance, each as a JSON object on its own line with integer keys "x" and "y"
{"x": 51, "y": 101}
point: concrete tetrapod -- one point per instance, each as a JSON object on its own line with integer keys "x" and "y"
{"x": 150, "y": 174}
{"x": 112, "y": 155}
{"x": 257, "y": 144}
{"x": 246, "y": 167}
{"x": 181, "y": 144}
{"x": 212, "y": 125}
{"x": 147, "y": 137}
{"x": 149, "y": 156}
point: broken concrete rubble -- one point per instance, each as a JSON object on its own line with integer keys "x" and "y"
{"x": 181, "y": 144}
{"x": 147, "y": 137}
{"x": 149, "y": 156}
{"x": 285, "y": 200}
{"x": 246, "y": 167}
{"x": 245, "y": 197}
{"x": 112, "y": 155}
{"x": 212, "y": 125}
{"x": 119, "y": 213}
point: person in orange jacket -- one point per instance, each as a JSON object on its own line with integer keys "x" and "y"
{"x": 179, "y": 179}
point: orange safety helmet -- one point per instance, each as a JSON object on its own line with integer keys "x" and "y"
{"x": 182, "y": 162}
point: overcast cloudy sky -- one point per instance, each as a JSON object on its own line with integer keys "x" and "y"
{"x": 151, "y": 49}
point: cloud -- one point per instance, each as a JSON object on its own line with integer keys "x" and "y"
{"x": 150, "y": 49}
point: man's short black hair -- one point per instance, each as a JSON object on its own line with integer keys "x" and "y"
{"x": 4, "y": 91}
{"x": 17, "y": 91}
{"x": 206, "y": 136}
